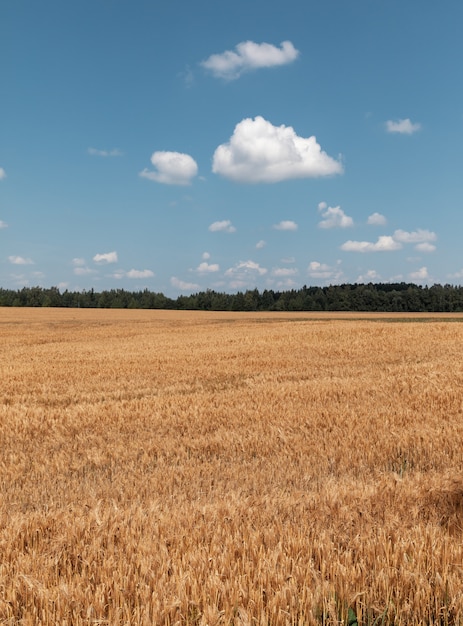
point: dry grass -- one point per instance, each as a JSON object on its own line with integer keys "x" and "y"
{"x": 202, "y": 469}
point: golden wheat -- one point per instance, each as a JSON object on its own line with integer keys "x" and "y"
{"x": 162, "y": 468}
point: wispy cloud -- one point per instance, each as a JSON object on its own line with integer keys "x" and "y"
{"x": 334, "y": 217}
{"x": 3, "y": 224}
{"x": 172, "y": 168}
{"x": 183, "y": 285}
{"x": 133, "y": 274}
{"x": 224, "y": 226}
{"x": 284, "y": 271}
{"x": 245, "y": 274}
{"x": 324, "y": 271}
{"x": 261, "y": 244}
{"x": 107, "y": 257}
{"x": 369, "y": 277}
{"x": 417, "y": 236}
{"x": 259, "y": 152}
{"x": 20, "y": 260}
{"x": 2, "y": 173}
{"x": 248, "y": 56}
{"x": 403, "y": 127}
{"x": 115, "y": 152}
{"x": 286, "y": 225}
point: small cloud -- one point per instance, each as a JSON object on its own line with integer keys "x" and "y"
{"x": 376, "y": 219}
{"x": 334, "y": 217}
{"x": 248, "y": 56}
{"x": 139, "y": 274}
{"x": 2, "y": 173}
{"x": 403, "y": 127}
{"x": 369, "y": 277}
{"x": 3, "y": 225}
{"x": 288, "y": 260}
{"x": 206, "y": 256}
{"x": 286, "y": 225}
{"x": 115, "y": 152}
{"x": 425, "y": 247}
{"x": 417, "y": 236}
{"x": 225, "y": 226}
{"x": 172, "y": 168}
{"x": 421, "y": 274}
{"x": 83, "y": 271}
{"x": 324, "y": 271}
{"x": 245, "y": 274}
{"x": 385, "y": 243}
{"x": 261, "y": 244}
{"x": 259, "y": 152}
{"x": 19, "y": 260}
{"x": 78, "y": 262}
{"x": 182, "y": 285}
{"x": 207, "y": 268}
{"x": 284, "y": 271}
{"x": 108, "y": 257}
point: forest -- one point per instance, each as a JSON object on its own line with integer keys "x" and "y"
{"x": 381, "y": 297}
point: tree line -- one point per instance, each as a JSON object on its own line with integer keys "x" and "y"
{"x": 385, "y": 297}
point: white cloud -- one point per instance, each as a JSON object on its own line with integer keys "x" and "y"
{"x": 259, "y": 152}
{"x": 139, "y": 274}
{"x": 206, "y": 256}
{"x": 224, "y": 226}
{"x": 404, "y": 127}
{"x": 324, "y": 271}
{"x": 78, "y": 262}
{"x": 182, "y": 285}
{"x": 386, "y": 243}
{"x": 19, "y": 260}
{"x": 421, "y": 274}
{"x": 286, "y": 225}
{"x": 3, "y": 225}
{"x": 108, "y": 257}
{"x": 2, "y": 173}
{"x": 369, "y": 277}
{"x": 83, "y": 271}
{"x": 207, "y": 268}
{"x": 425, "y": 247}
{"x": 172, "y": 168}
{"x": 417, "y": 236}
{"x": 249, "y": 56}
{"x": 261, "y": 244}
{"x": 115, "y": 152}
{"x": 376, "y": 219}
{"x": 334, "y": 217}
{"x": 244, "y": 274}
{"x": 284, "y": 271}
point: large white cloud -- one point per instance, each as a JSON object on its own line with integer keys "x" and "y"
{"x": 385, "y": 243}
{"x": 247, "y": 56}
{"x": 403, "y": 127}
{"x": 172, "y": 168}
{"x": 107, "y": 257}
{"x": 259, "y": 152}
{"x": 334, "y": 217}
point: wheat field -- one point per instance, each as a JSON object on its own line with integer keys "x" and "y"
{"x": 162, "y": 468}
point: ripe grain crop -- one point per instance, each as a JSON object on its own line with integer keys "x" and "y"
{"x": 162, "y": 468}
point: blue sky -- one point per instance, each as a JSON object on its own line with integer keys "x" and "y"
{"x": 180, "y": 146}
